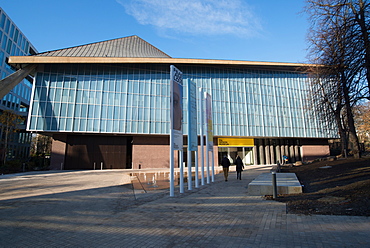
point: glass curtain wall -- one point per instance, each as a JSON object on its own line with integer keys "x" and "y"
{"x": 135, "y": 99}
{"x": 14, "y": 43}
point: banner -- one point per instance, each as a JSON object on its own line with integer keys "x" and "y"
{"x": 192, "y": 117}
{"x": 209, "y": 122}
{"x": 176, "y": 107}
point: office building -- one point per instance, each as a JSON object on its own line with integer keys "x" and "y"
{"x": 14, "y": 43}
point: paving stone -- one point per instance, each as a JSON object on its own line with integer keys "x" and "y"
{"x": 99, "y": 209}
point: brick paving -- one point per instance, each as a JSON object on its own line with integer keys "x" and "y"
{"x": 99, "y": 209}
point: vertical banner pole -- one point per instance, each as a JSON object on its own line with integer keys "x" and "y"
{"x": 192, "y": 127}
{"x": 181, "y": 159}
{"x": 209, "y": 134}
{"x": 172, "y": 172}
{"x": 207, "y": 131}
{"x": 213, "y": 166}
{"x": 172, "y": 159}
{"x": 207, "y": 162}
{"x": 176, "y": 134}
{"x": 201, "y": 134}
{"x": 189, "y": 171}
{"x": 196, "y": 170}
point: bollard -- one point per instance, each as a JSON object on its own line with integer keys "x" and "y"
{"x": 274, "y": 185}
{"x": 101, "y": 166}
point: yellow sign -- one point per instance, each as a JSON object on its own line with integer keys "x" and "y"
{"x": 235, "y": 142}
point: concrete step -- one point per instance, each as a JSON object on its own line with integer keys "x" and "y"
{"x": 287, "y": 183}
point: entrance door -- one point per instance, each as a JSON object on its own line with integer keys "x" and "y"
{"x": 245, "y": 153}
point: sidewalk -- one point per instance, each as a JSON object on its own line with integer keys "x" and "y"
{"x": 97, "y": 209}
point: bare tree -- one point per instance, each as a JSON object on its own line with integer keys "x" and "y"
{"x": 339, "y": 80}
{"x": 362, "y": 120}
{"x": 9, "y": 124}
{"x": 360, "y": 13}
{"x": 41, "y": 145}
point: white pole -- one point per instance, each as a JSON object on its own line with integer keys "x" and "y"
{"x": 201, "y": 133}
{"x": 207, "y": 160}
{"x": 172, "y": 159}
{"x": 190, "y": 126}
{"x": 189, "y": 170}
{"x": 101, "y": 166}
{"x": 172, "y": 170}
{"x": 207, "y": 145}
{"x": 181, "y": 171}
{"x": 213, "y": 167}
{"x": 196, "y": 170}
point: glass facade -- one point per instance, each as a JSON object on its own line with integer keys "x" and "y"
{"x": 14, "y": 43}
{"x": 134, "y": 99}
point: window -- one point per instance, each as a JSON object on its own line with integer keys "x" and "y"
{"x": 7, "y": 25}
{"x": 2, "y": 21}
{"x": 11, "y": 31}
{"x": 9, "y": 46}
{"x": 16, "y": 34}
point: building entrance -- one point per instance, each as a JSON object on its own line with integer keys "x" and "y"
{"x": 245, "y": 153}
{"x": 236, "y": 146}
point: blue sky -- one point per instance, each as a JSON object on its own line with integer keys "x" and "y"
{"x": 254, "y": 30}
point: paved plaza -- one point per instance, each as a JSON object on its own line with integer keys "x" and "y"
{"x": 101, "y": 209}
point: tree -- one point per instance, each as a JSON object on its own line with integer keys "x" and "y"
{"x": 362, "y": 120}
{"x": 326, "y": 97}
{"x": 360, "y": 11}
{"x": 41, "y": 145}
{"x": 9, "y": 124}
{"x": 340, "y": 80}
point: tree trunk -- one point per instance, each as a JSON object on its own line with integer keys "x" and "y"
{"x": 353, "y": 139}
{"x": 342, "y": 134}
{"x": 5, "y": 144}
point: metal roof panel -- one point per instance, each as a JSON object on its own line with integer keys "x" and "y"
{"x": 127, "y": 47}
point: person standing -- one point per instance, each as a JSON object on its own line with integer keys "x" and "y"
{"x": 239, "y": 167}
{"x": 225, "y": 165}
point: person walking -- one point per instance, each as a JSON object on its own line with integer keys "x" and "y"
{"x": 225, "y": 165}
{"x": 239, "y": 167}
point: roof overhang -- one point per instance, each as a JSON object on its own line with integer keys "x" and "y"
{"x": 21, "y": 61}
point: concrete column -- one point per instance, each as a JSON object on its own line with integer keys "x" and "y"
{"x": 8, "y": 83}
{"x": 255, "y": 155}
{"x": 301, "y": 152}
{"x": 282, "y": 152}
{"x": 286, "y": 150}
{"x": 272, "y": 154}
{"x": 278, "y": 153}
{"x": 296, "y": 153}
{"x": 292, "y": 155}
{"x": 267, "y": 155}
{"x": 262, "y": 155}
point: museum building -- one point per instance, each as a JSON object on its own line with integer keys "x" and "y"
{"x": 107, "y": 105}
